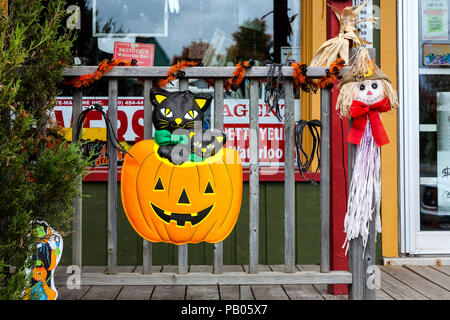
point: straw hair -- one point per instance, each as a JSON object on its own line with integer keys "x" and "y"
{"x": 363, "y": 69}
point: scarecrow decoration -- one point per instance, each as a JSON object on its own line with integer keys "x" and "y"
{"x": 47, "y": 256}
{"x": 365, "y": 93}
{"x": 339, "y": 46}
{"x": 182, "y": 186}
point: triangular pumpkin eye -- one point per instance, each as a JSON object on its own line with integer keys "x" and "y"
{"x": 184, "y": 198}
{"x": 209, "y": 189}
{"x": 159, "y": 185}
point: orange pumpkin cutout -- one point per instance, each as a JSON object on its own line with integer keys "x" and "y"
{"x": 179, "y": 204}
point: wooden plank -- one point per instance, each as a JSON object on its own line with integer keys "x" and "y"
{"x": 432, "y": 275}
{"x": 268, "y": 292}
{"x": 323, "y": 291}
{"x": 169, "y": 292}
{"x": 137, "y": 292}
{"x": 238, "y": 278}
{"x": 112, "y": 177}
{"x": 202, "y": 292}
{"x": 230, "y": 292}
{"x": 302, "y": 292}
{"x": 289, "y": 178}
{"x": 325, "y": 110}
{"x": 254, "y": 176}
{"x": 218, "y": 125}
{"x": 443, "y": 269}
{"x": 196, "y": 72}
{"x": 245, "y": 293}
{"x": 399, "y": 290}
{"x": 382, "y": 295}
{"x": 106, "y": 292}
{"x": 418, "y": 283}
{"x": 65, "y": 293}
{"x": 77, "y": 239}
{"x": 148, "y": 134}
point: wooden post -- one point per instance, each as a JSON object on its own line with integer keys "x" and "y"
{"x": 183, "y": 249}
{"x": 360, "y": 260}
{"x": 325, "y": 106}
{"x": 77, "y": 239}
{"x": 218, "y": 125}
{"x": 254, "y": 175}
{"x": 148, "y": 134}
{"x": 112, "y": 178}
{"x": 289, "y": 178}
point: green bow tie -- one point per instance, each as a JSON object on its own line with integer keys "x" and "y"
{"x": 165, "y": 138}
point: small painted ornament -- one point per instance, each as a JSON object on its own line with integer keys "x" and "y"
{"x": 365, "y": 93}
{"x": 47, "y": 256}
{"x": 183, "y": 186}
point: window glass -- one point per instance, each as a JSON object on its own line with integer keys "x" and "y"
{"x": 434, "y": 114}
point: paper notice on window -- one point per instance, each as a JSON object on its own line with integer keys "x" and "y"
{"x": 443, "y": 152}
{"x": 435, "y": 20}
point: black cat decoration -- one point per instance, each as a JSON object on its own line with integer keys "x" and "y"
{"x": 178, "y": 120}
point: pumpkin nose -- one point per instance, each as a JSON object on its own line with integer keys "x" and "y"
{"x": 178, "y": 121}
{"x": 184, "y": 199}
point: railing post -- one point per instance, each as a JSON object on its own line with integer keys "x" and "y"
{"x": 218, "y": 125}
{"x": 254, "y": 176}
{"x": 77, "y": 227}
{"x": 325, "y": 107}
{"x": 112, "y": 178}
{"x": 183, "y": 249}
{"x": 289, "y": 178}
{"x": 148, "y": 134}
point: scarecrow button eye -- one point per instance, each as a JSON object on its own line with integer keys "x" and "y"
{"x": 362, "y": 87}
{"x": 374, "y": 86}
{"x": 159, "y": 186}
{"x": 184, "y": 198}
{"x": 209, "y": 189}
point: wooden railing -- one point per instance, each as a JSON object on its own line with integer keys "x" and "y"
{"x": 289, "y": 276}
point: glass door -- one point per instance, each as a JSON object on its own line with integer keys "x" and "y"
{"x": 426, "y": 127}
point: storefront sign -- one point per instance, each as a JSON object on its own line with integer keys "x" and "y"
{"x": 143, "y": 53}
{"x": 435, "y": 54}
{"x": 435, "y": 20}
{"x": 443, "y": 152}
{"x": 290, "y": 55}
{"x": 236, "y": 126}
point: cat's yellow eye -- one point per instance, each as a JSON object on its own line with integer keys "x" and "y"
{"x": 191, "y": 115}
{"x": 166, "y": 112}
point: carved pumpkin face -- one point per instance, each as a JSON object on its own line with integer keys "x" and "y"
{"x": 180, "y": 204}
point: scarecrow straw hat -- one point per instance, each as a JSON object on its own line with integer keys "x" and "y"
{"x": 363, "y": 69}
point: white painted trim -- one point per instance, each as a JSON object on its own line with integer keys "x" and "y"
{"x": 418, "y": 261}
{"x": 434, "y": 71}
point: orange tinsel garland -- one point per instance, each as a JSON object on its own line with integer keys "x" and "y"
{"x": 104, "y": 67}
{"x": 238, "y": 75}
{"x": 175, "y": 72}
{"x": 306, "y": 84}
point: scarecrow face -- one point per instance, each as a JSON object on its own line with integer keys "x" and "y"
{"x": 369, "y": 91}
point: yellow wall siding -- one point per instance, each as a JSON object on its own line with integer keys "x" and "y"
{"x": 389, "y": 153}
{"x": 313, "y": 32}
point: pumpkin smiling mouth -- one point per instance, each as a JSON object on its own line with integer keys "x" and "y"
{"x": 182, "y": 218}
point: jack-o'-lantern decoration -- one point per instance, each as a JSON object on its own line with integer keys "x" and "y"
{"x": 186, "y": 203}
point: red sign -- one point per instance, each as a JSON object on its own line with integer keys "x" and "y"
{"x": 143, "y": 53}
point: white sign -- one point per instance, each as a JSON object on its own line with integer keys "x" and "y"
{"x": 443, "y": 152}
{"x": 366, "y": 28}
{"x": 435, "y": 20}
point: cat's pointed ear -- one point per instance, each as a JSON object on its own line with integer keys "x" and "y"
{"x": 158, "y": 95}
{"x": 203, "y": 100}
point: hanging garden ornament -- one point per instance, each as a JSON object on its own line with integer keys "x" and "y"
{"x": 365, "y": 93}
{"x": 48, "y": 254}
{"x": 339, "y": 46}
{"x": 183, "y": 186}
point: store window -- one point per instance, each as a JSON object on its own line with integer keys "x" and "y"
{"x": 434, "y": 113}
{"x": 211, "y": 32}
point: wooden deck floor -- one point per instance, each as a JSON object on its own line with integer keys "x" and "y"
{"x": 397, "y": 283}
